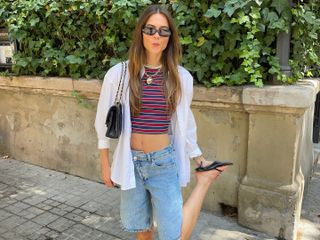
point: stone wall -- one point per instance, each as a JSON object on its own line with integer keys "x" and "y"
{"x": 41, "y": 123}
{"x": 266, "y": 132}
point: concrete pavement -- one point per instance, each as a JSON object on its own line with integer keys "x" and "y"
{"x": 42, "y": 204}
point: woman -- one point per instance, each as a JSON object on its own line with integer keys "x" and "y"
{"x": 152, "y": 158}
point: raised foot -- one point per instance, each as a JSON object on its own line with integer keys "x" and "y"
{"x": 207, "y": 177}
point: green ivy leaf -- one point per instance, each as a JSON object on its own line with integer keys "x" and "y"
{"x": 229, "y": 10}
{"x": 22, "y": 62}
{"x": 217, "y": 80}
{"x": 259, "y": 2}
{"x": 280, "y": 5}
{"x": 74, "y": 59}
{"x": 212, "y": 12}
{"x": 243, "y": 18}
{"x": 309, "y": 17}
{"x": 34, "y": 21}
{"x": 201, "y": 41}
{"x": 186, "y": 40}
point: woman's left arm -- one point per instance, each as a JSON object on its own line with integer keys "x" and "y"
{"x": 191, "y": 131}
{"x": 193, "y": 149}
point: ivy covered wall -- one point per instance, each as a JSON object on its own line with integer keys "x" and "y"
{"x": 229, "y": 42}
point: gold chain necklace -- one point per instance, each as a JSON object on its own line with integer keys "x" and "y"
{"x": 150, "y": 78}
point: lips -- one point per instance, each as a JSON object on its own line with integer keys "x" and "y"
{"x": 156, "y": 44}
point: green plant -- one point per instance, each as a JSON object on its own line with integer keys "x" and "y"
{"x": 225, "y": 42}
{"x": 235, "y": 40}
{"x": 305, "y": 59}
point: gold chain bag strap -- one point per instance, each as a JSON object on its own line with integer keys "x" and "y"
{"x": 114, "y": 116}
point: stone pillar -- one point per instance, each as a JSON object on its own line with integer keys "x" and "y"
{"x": 270, "y": 194}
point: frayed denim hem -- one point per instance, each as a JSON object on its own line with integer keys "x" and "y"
{"x": 150, "y": 228}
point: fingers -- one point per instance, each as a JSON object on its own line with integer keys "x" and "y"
{"x": 108, "y": 183}
{"x": 199, "y": 162}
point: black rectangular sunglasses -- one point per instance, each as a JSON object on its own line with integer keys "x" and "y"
{"x": 163, "y": 32}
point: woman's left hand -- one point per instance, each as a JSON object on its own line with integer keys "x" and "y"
{"x": 202, "y": 161}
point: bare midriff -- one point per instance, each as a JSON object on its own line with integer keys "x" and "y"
{"x": 149, "y": 142}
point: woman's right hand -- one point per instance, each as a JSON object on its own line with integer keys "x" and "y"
{"x": 106, "y": 176}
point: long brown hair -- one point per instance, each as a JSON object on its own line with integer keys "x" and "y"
{"x": 170, "y": 60}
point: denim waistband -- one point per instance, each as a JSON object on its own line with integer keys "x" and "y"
{"x": 142, "y": 156}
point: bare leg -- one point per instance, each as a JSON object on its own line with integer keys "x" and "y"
{"x": 192, "y": 207}
{"x": 148, "y": 235}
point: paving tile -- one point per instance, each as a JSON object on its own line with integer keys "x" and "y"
{"x": 52, "y": 202}
{"x": 4, "y": 215}
{"x": 30, "y": 212}
{"x": 85, "y": 213}
{"x": 77, "y": 211}
{"x": 78, "y": 201}
{"x": 21, "y": 195}
{"x": 52, "y": 234}
{"x": 82, "y": 232}
{"x": 43, "y": 206}
{"x": 59, "y": 198}
{"x": 74, "y": 217}
{"x": 45, "y": 218}
{"x": 61, "y": 224}
{"x": 3, "y": 230}
{"x": 17, "y": 207}
{"x": 37, "y": 236}
{"x": 66, "y": 207}
{"x": 104, "y": 224}
{"x": 3, "y": 186}
{"x": 12, "y": 236}
{"x": 91, "y": 206}
{"x": 58, "y": 211}
{"x": 27, "y": 228}
{"x": 10, "y": 190}
{"x": 34, "y": 200}
{"x": 12, "y": 222}
{"x": 7, "y": 201}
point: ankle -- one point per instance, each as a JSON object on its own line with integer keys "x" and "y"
{"x": 206, "y": 178}
{"x": 147, "y": 235}
{"x": 204, "y": 182}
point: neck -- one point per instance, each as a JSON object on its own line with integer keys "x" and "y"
{"x": 153, "y": 61}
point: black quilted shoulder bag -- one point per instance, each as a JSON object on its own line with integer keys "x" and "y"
{"x": 114, "y": 116}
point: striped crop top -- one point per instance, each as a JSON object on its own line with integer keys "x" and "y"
{"x": 154, "y": 114}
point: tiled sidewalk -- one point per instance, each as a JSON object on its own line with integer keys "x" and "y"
{"x": 37, "y": 203}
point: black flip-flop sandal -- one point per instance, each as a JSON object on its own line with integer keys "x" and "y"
{"x": 213, "y": 166}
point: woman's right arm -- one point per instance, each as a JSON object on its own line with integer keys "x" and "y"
{"x": 105, "y": 167}
{"x": 105, "y": 102}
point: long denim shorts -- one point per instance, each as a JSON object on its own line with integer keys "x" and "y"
{"x": 157, "y": 195}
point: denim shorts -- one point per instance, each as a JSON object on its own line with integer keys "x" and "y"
{"x": 157, "y": 195}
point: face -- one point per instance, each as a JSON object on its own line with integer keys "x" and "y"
{"x": 155, "y": 44}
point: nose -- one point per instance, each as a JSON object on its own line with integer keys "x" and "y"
{"x": 156, "y": 35}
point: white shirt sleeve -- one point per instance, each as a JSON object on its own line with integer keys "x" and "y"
{"x": 106, "y": 100}
{"x": 191, "y": 131}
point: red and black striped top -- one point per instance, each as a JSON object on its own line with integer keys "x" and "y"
{"x": 154, "y": 114}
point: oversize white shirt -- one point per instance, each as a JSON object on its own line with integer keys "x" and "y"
{"x": 183, "y": 128}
